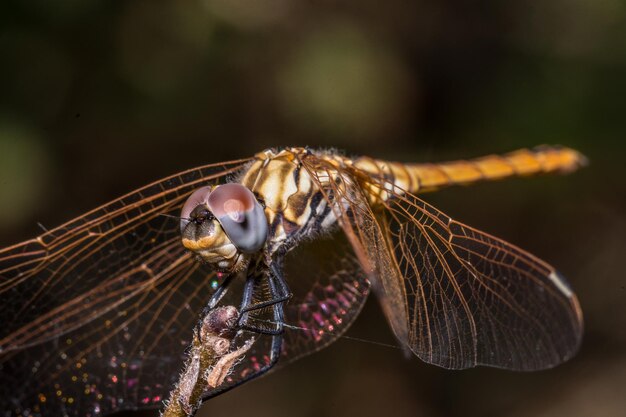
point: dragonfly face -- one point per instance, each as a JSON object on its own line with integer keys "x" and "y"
{"x": 223, "y": 225}
{"x": 97, "y": 313}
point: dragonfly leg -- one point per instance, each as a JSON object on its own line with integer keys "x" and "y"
{"x": 276, "y": 303}
{"x": 215, "y": 298}
{"x": 261, "y": 330}
{"x": 268, "y": 303}
{"x": 279, "y": 293}
{"x": 217, "y": 295}
{"x": 280, "y": 280}
{"x": 277, "y": 339}
{"x": 278, "y": 287}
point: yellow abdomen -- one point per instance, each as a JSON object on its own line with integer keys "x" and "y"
{"x": 424, "y": 177}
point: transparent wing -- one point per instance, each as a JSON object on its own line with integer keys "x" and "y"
{"x": 97, "y": 312}
{"x": 326, "y": 312}
{"x": 456, "y": 296}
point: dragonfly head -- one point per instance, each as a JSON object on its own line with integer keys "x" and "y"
{"x": 224, "y": 225}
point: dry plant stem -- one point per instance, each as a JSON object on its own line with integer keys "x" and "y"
{"x": 220, "y": 371}
{"x": 208, "y": 363}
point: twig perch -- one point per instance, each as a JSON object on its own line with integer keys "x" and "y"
{"x": 208, "y": 363}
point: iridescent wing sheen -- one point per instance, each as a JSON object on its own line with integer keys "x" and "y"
{"x": 329, "y": 291}
{"x": 96, "y": 314}
{"x": 456, "y": 296}
{"x": 326, "y": 312}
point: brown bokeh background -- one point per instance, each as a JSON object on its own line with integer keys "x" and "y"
{"x": 100, "y": 97}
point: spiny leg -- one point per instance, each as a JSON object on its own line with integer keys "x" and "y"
{"x": 278, "y": 288}
{"x": 279, "y": 293}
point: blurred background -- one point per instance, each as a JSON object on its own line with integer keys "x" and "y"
{"x": 100, "y": 97}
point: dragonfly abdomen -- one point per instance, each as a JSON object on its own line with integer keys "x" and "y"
{"x": 425, "y": 177}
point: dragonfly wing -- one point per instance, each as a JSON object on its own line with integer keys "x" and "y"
{"x": 326, "y": 312}
{"x": 473, "y": 299}
{"x": 112, "y": 287}
{"x": 456, "y": 296}
{"x": 127, "y": 358}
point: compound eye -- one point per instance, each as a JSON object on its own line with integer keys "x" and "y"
{"x": 240, "y": 215}
{"x": 198, "y": 197}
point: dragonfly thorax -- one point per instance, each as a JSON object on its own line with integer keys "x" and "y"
{"x": 224, "y": 225}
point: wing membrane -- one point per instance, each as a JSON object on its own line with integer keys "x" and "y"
{"x": 457, "y": 297}
{"x": 126, "y": 358}
{"x": 100, "y": 308}
{"x": 47, "y": 279}
{"x": 474, "y": 299}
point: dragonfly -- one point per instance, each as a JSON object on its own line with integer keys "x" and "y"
{"x": 97, "y": 314}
